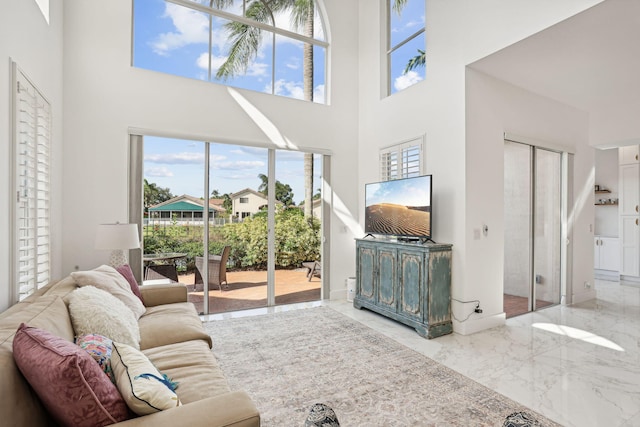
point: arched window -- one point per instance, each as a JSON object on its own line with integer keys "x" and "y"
{"x": 273, "y": 46}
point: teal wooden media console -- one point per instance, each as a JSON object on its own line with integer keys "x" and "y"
{"x": 407, "y": 282}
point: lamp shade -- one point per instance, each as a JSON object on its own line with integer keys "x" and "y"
{"x": 117, "y": 236}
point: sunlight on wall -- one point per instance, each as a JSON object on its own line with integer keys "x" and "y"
{"x": 266, "y": 125}
{"x": 341, "y": 210}
{"x": 583, "y": 197}
{"x": 578, "y": 334}
{"x": 44, "y": 8}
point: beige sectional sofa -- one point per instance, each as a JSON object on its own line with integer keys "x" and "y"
{"x": 172, "y": 337}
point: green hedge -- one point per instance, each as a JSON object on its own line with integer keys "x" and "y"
{"x": 297, "y": 240}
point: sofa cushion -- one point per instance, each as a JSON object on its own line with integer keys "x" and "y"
{"x": 127, "y": 273}
{"x": 68, "y": 381}
{"x": 108, "y": 279}
{"x": 192, "y": 365}
{"x": 94, "y": 311}
{"x": 48, "y": 312}
{"x": 140, "y": 383}
{"x": 184, "y": 325}
{"x": 100, "y": 348}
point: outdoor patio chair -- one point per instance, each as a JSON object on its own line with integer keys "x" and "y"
{"x": 161, "y": 271}
{"x": 217, "y": 270}
{"x": 313, "y": 268}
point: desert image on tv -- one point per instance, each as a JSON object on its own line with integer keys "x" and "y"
{"x": 400, "y": 220}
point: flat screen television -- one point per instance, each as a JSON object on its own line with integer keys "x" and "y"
{"x": 401, "y": 207}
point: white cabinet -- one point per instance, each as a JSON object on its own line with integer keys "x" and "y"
{"x": 629, "y": 212}
{"x": 629, "y": 189}
{"x": 607, "y": 253}
{"x": 628, "y": 154}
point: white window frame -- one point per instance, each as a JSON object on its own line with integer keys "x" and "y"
{"x": 396, "y": 161}
{"x": 31, "y": 180}
{"x": 390, "y": 49}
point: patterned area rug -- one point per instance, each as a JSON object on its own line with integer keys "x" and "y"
{"x": 289, "y": 361}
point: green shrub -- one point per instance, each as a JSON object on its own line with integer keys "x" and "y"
{"x": 297, "y": 240}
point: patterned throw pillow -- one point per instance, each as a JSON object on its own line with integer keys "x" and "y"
{"x": 98, "y": 347}
{"x": 67, "y": 380}
{"x": 141, "y": 385}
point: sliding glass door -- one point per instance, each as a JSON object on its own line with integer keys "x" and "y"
{"x": 533, "y": 228}
{"x": 216, "y": 196}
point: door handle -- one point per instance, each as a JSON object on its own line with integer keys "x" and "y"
{"x": 636, "y": 221}
{"x": 636, "y": 208}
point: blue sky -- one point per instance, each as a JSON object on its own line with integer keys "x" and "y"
{"x": 408, "y": 192}
{"x": 179, "y": 165}
{"x": 175, "y": 40}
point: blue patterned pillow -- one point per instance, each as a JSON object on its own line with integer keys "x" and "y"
{"x": 100, "y": 348}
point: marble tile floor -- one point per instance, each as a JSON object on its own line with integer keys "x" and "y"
{"x": 578, "y": 365}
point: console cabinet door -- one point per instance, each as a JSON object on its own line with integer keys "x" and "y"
{"x": 411, "y": 282}
{"x": 387, "y": 278}
{"x": 366, "y": 281}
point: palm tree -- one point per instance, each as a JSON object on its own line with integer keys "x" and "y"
{"x": 415, "y": 62}
{"x": 245, "y": 44}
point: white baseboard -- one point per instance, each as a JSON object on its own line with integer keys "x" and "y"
{"x": 472, "y": 326}
{"x": 587, "y": 295}
{"x": 338, "y": 294}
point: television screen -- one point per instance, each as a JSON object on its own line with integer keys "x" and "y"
{"x": 401, "y": 207}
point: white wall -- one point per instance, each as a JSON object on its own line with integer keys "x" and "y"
{"x": 495, "y": 107}
{"x": 606, "y": 217}
{"x": 26, "y": 38}
{"x": 458, "y": 33}
{"x": 105, "y": 96}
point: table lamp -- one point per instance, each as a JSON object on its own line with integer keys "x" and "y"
{"x": 117, "y": 237}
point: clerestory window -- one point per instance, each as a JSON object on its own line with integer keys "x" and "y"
{"x": 272, "y": 46}
{"x": 406, "y": 45}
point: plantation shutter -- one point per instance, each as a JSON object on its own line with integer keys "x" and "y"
{"x": 401, "y": 160}
{"x": 32, "y": 138}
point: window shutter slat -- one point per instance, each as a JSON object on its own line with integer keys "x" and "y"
{"x": 32, "y": 143}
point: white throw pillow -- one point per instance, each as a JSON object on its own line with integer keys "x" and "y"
{"x": 94, "y": 311}
{"x": 108, "y": 279}
{"x": 140, "y": 383}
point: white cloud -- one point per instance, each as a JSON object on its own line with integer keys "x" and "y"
{"x": 238, "y": 165}
{"x": 255, "y": 69}
{"x": 190, "y": 27}
{"x": 287, "y": 88}
{"x": 318, "y": 94}
{"x": 184, "y": 158}
{"x": 405, "y": 80}
{"x": 162, "y": 172}
{"x": 293, "y": 63}
{"x": 216, "y": 61}
{"x": 175, "y": 158}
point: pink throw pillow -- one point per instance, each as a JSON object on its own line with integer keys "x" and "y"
{"x": 127, "y": 273}
{"x": 67, "y": 380}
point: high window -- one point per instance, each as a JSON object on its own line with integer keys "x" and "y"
{"x": 31, "y": 146}
{"x": 402, "y": 160}
{"x": 405, "y": 43}
{"x": 269, "y": 46}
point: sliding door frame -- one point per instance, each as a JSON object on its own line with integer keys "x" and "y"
{"x": 565, "y": 236}
{"x": 136, "y": 194}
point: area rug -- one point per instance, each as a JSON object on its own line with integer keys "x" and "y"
{"x": 291, "y": 360}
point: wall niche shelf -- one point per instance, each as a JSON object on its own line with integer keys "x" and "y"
{"x": 606, "y": 204}
{"x": 602, "y": 191}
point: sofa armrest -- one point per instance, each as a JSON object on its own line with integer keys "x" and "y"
{"x": 234, "y": 409}
{"x": 163, "y": 294}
